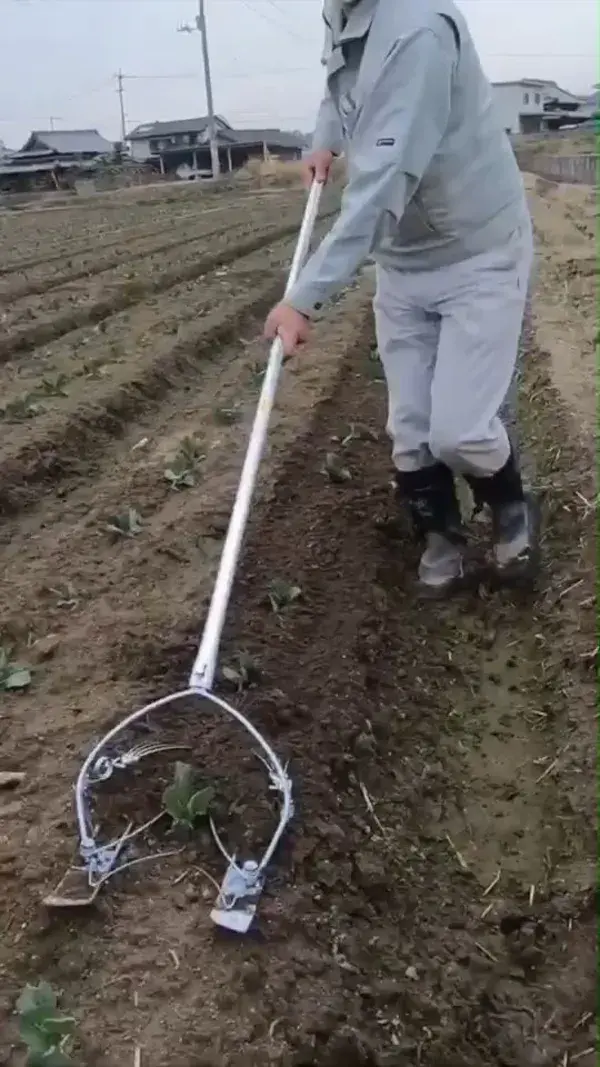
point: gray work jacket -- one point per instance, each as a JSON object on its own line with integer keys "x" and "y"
{"x": 432, "y": 178}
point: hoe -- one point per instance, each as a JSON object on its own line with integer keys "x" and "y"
{"x": 235, "y": 906}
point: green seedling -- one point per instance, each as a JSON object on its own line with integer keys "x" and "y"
{"x": 187, "y": 804}
{"x": 180, "y": 477}
{"x": 54, "y": 387}
{"x": 128, "y": 524}
{"x": 243, "y": 672}
{"x": 25, "y": 407}
{"x": 257, "y": 373}
{"x": 282, "y": 594}
{"x": 94, "y": 369}
{"x": 13, "y": 676}
{"x": 66, "y": 595}
{"x": 227, "y": 416}
{"x": 182, "y": 472}
{"x": 133, "y": 287}
{"x": 374, "y": 368}
{"x": 335, "y": 471}
{"x": 43, "y": 1029}
{"x": 357, "y": 432}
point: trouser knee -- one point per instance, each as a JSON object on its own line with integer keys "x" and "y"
{"x": 480, "y": 453}
{"x": 446, "y": 447}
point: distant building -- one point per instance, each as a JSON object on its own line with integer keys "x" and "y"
{"x": 73, "y": 144}
{"x": 532, "y": 105}
{"x": 48, "y": 155}
{"x": 182, "y": 146}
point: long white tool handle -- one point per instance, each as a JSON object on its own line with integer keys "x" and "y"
{"x": 203, "y": 671}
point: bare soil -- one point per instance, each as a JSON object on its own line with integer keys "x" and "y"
{"x": 34, "y": 320}
{"x": 433, "y": 903}
{"x": 565, "y": 304}
{"x": 76, "y": 263}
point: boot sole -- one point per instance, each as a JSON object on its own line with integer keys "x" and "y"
{"x": 523, "y": 573}
{"x": 457, "y": 585}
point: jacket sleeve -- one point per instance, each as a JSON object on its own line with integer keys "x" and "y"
{"x": 328, "y": 129}
{"x": 395, "y": 135}
{"x": 328, "y": 132}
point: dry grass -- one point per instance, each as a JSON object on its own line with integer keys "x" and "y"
{"x": 575, "y": 144}
{"x": 279, "y": 172}
{"x": 271, "y": 171}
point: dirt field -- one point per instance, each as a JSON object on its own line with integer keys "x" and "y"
{"x": 433, "y": 904}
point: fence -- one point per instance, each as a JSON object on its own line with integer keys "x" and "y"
{"x": 580, "y": 170}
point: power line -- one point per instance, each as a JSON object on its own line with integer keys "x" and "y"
{"x": 273, "y": 22}
{"x": 226, "y": 76}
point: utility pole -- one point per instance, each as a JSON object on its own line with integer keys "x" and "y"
{"x": 120, "y": 91}
{"x": 53, "y": 119}
{"x": 210, "y": 109}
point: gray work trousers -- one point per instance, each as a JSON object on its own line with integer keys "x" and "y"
{"x": 448, "y": 340}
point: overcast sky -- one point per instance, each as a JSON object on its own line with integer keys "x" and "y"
{"x": 58, "y": 58}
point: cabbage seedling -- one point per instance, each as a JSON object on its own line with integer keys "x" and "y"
{"x": 43, "y": 1029}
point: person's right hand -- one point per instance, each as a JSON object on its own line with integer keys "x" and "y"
{"x": 316, "y": 166}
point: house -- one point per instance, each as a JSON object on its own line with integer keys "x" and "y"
{"x": 182, "y": 146}
{"x": 533, "y": 105}
{"x": 67, "y": 144}
{"x": 47, "y": 155}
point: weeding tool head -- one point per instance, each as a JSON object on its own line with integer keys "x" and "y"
{"x": 236, "y": 904}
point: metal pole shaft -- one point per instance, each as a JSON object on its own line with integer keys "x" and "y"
{"x": 212, "y": 130}
{"x": 205, "y": 664}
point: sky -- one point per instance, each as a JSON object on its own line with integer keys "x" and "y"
{"x": 59, "y": 58}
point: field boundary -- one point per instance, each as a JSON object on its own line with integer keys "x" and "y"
{"x": 574, "y": 170}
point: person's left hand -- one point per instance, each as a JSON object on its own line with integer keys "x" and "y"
{"x": 288, "y": 324}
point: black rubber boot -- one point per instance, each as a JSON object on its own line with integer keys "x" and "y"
{"x": 430, "y": 495}
{"x": 515, "y": 522}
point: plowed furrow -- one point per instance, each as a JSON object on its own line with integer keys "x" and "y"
{"x": 104, "y": 237}
{"x": 67, "y": 441}
{"x": 91, "y": 262}
{"x": 225, "y": 250}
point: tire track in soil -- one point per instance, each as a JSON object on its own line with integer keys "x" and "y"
{"x": 127, "y": 254}
{"x": 25, "y": 339}
{"x": 70, "y": 441}
{"x": 384, "y": 944}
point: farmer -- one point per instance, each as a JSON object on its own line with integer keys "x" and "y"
{"x": 435, "y": 197}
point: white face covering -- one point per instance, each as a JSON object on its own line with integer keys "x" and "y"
{"x": 335, "y": 13}
{"x": 341, "y": 6}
